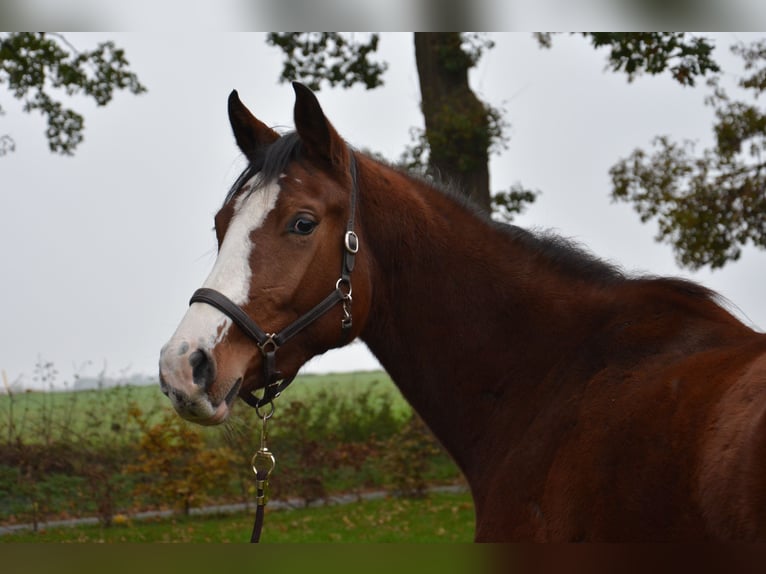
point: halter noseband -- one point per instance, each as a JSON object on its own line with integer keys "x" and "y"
{"x": 269, "y": 343}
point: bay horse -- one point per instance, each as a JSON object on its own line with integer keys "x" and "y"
{"x": 580, "y": 403}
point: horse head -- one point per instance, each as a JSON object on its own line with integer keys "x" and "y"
{"x": 280, "y": 291}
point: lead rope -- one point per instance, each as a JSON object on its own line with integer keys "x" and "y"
{"x": 263, "y": 463}
{"x": 263, "y": 460}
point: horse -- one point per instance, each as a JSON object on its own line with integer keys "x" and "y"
{"x": 581, "y": 403}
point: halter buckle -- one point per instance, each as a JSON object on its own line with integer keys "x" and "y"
{"x": 351, "y": 241}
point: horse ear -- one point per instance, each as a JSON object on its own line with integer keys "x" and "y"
{"x": 250, "y": 133}
{"x": 320, "y": 140}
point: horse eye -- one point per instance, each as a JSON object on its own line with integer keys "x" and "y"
{"x": 303, "y": 226}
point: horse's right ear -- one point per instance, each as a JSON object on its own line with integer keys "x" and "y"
{"x": 250, "y": 133}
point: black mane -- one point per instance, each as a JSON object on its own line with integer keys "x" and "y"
{"x": 566, "y": 255}
{"x": 270, "y": 161}
{"x": 562, "y": 253}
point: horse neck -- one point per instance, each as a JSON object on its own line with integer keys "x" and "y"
{"x": 462, "y": 314}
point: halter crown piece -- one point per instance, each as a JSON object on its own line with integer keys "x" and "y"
{"x": 270, "y": 343}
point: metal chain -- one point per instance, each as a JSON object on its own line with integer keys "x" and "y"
{"x": 263, "y": 463}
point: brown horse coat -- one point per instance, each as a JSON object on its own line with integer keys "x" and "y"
{"x": 580, "y": 403}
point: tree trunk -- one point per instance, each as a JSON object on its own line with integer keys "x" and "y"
{"x": 457, "y": 123}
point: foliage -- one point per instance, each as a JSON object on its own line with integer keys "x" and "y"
{"x": 414, "y": 158}
{"x": 407, "y": 458}
{"x": 316, "y": 57}
{"x": 326, "y": 444}
{"x": 104, "y": 447}
{"x": 707, "y": 205}
{"x": 37, "y": 66}
{"x": 685, "y": 56}
{"x": 176, "y": 467}
{"x": 462, "y": 126}
{"x": 36, "y": 480}
{"x": 25, "y": 411}
{"x": 461, "y": 130}
{"x": 66, "y": 450}
{"x": 115, "y": 451}
{"x": 473, "y": 45}
{"x": 506, "y": 205}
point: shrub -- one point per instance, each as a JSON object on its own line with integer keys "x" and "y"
{"x": 408, "y": 456}
{"x": 117, "y": 450}
{"x": 174, "y": 465}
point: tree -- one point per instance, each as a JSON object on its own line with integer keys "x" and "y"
{"x": 38, "y": 66}
{"x": 685, "y": 56}
{"x": 461, "y": 131}
{"x": 707, "y": 205}
{"x": 460, "y": 128}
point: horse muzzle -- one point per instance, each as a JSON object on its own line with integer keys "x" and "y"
{"x": 188, "y": 379}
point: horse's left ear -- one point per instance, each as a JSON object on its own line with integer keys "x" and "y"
{"x": 320, "y": 140}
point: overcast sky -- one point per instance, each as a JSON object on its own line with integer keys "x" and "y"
{"x": 101, "y": 251}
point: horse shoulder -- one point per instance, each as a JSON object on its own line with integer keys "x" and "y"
{"x": 732, "y": 473}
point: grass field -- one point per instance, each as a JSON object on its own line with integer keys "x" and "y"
{"x": 123, "y": 450}
{"x": 441, "y": 517}
{"x": 37, "y": 417}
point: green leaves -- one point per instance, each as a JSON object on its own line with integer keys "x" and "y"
{"x": 709, "y": 205}
{"x": 316, "y": 57}
{"x": 506, "y": 205}
{"x": 754, "y": 55}
{"x": 177, "y": 467}
{"x": 37, "y": 67}
{"x": 634, "y": 53}
{"x": 654, "y": 52}
{"x": 461, "y": 130}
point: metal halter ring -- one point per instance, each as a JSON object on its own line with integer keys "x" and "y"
{"x": 269, "y": 345}
{"x": 338, "y": 286}
{"x": 267, "y": 415}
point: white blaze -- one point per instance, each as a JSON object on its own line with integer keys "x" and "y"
{"x": 231, "y": 274}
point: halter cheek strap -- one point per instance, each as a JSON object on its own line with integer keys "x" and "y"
{"x": 269, "y": 343}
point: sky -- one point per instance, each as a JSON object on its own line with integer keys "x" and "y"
{"x": 101, "y": 251}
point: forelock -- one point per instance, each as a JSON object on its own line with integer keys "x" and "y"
{"x": 268, "y": 164}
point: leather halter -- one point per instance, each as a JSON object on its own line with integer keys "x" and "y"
{"x": 270, "y": 343}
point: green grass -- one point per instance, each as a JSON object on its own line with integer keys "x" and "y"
{"x": 76, "y": 453}
{"x": 39, "y": 417}
{"x": 441, "y": 517}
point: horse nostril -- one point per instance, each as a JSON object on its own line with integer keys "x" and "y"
{"x": 203, "y": 370}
